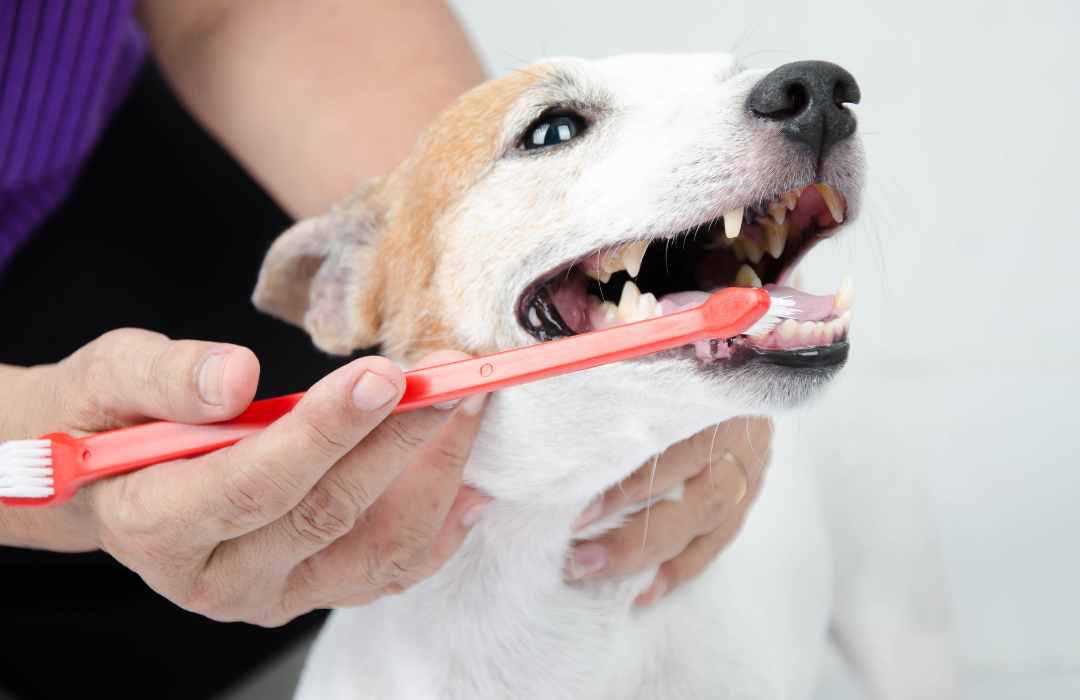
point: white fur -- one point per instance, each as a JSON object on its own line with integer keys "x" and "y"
{"x": 673, "y": 147}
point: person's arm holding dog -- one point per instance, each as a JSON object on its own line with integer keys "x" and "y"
{"x": 335, "y": 504}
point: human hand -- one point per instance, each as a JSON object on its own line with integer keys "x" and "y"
{"x": 335, "y": 504}
{"x": 721, "y": 473}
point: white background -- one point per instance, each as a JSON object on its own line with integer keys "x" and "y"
{"x": 966, "y": 334}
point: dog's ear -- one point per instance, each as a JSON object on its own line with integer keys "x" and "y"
{"x": 317, "y": 275}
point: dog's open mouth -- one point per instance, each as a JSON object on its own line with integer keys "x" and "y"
{"x": 754, "y": 246}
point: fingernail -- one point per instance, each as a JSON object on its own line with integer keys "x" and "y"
{"x": 211, "y": 379}
{"x": 472, "y": 514}
{"x": 590, "y": 514}
{"x": 586, "y": 559}
{"x": 372, "y": 392}
{"x": 654, "y": 592}
{"x": 446, "y": 405}
{"x": 474, "y": 404}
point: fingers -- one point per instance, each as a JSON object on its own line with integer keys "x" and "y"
{"x": 417, "y": 523}
{"x": 663, "y": 530}
{"x": 745, "y": 438}
{"x": 394, "y": 518}
{"x": 269, "y": 474}
{"x": 130, "y": 376}
{"x": 693, "y": 560}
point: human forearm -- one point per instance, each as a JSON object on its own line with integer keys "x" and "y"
{"x": 312, "y": 96}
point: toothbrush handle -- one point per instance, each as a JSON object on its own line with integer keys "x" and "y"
{"x": 725, "y": 315}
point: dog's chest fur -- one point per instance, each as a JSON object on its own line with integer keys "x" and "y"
{"x": 499, "y": 621}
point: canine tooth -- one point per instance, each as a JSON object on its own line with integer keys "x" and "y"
{"x": 787, "y": 329}
{"x": 845, "y": 293}
{"x": 790, "y": 199}
{"x": 632, "y": 255}
{"x": 752, "y": 249}
{"x": 733, "y": 223}
{"x": 775, "y": 236}
{"x": 846, "y": 318}
{"x": 746, "y": 277}
{"x": 805, "y": 330}
{"x": 629, "y": 299}
{"x": 778, "y": 211}
{"x": 798, "y": 191}
{"x": 533, "y": 318}
{"x": 832, "y": 200}
{"x": 736, "y": 247}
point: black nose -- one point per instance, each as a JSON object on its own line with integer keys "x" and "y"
{"x": 807, "y": 98}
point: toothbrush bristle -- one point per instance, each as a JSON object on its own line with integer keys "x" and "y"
{"x": 779, "y": 309}
{"x": 26, "y": 469}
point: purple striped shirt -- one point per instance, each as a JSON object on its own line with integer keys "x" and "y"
{"x": 65, "y": 67}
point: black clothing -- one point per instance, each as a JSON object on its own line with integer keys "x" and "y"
{"x": 163, "y": 231}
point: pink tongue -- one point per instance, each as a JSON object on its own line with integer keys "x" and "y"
{"x": 808, "y": 307}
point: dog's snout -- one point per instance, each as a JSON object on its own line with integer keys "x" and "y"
{"x": 807, "y": 98}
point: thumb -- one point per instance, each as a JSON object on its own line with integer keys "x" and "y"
{"x": 130, "y": 376}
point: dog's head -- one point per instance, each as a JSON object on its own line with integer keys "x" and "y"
{"x": 526, "y": 208}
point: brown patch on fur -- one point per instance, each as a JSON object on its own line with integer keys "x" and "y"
{"x": 449, "y": 157}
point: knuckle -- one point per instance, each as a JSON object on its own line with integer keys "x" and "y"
{"x": 328, "y": 444}
{"x": 450, "y": 458}
{"x": 402, "y": 437}
{"x": 244, "y": 503}
{"x": 396, "y": 559}
{"x": 323, "y": 516}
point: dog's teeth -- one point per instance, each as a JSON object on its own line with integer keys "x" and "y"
{"x": 846, "y": 318}
{"x": 736, "y": 247}
{"x": 829, "y": 333}
{"x": 533, "y": 318}
{"x": 787, "y": 329}
{"x": 746, "y": 277}
{"x": 614, "y": 263}
{"x": 819, "y": 331}
{"x": 778, "y": 211}
{"x": 775, "y": 236}
{"x": 598, "y": 275}
{"x": 752, "y": 249}
{"x": 832, "y": 200}
{"x": 798, "y": 191}
{"x": 611, "y": 311}
{"x": 647, "y": 307}
{"x": 733, "y": 223}
{"x": 805, "y": 330}
{"x": 838, "y": 328}
{"x": 796, "y": 281}
{"x": 845, "y": 294}
{"x": 629, "y": 299}
{"x": 790, "y": 200}
{"x": 632, "y": 255}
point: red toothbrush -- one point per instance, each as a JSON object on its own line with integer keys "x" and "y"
{"x": 48, "y": 471}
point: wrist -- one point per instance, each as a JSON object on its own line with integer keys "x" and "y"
{"x": 62, "y": 529}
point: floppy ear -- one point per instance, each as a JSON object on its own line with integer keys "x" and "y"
{"x": 317, "y": 275}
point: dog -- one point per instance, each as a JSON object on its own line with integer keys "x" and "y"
{"x": 576, "y": 195}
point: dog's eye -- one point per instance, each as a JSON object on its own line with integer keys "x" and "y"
{"x": 551, "y": 130}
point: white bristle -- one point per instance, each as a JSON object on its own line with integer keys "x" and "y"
{"x": 779, "y": 309}
{"x": 25, "y": 469}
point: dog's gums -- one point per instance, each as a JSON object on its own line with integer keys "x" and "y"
{"x": 753, "y": 246}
